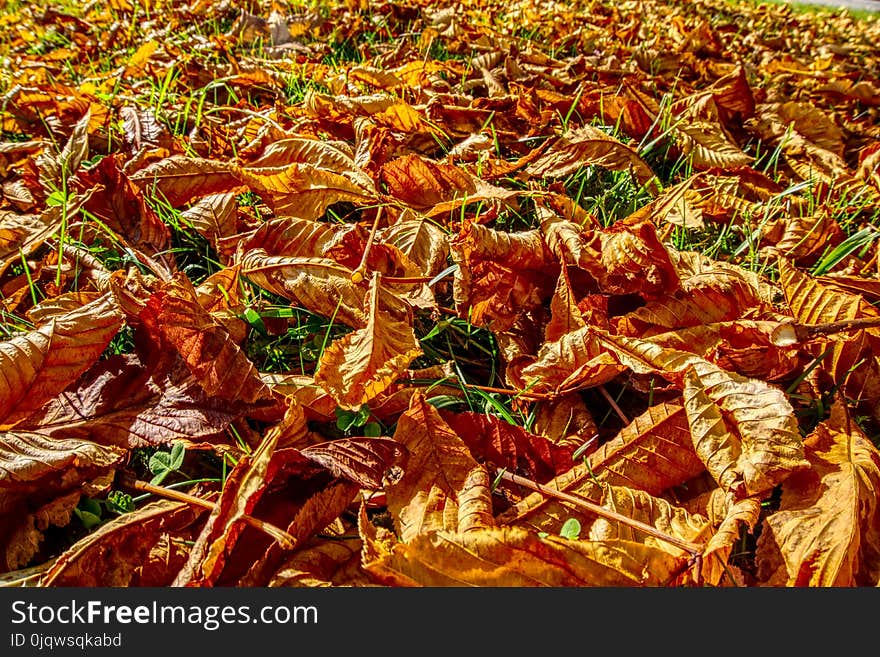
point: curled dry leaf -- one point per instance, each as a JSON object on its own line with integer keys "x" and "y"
{"x": 364, "y": 461}
{"x": 41, "y": 479}
{"x": 653, "y": 453}
{"x": 566, "y": 422}
{"x": 180, "y": 180}
{"x": 123, "y": 402}
{"x": 173, "y": 315}
{"x": 708, "y": 145}
{"x": 825, "y": 532}
{"x": 499, "y": 444}
{"x": 500, "y": 275}
{"x": 304, "y": 191}
{"x": 511, "y": 556}
{"x": 436, "y": 189}
{"x": 121, "y": 205}
{"x": 39, "y": 364}
{"x": 117, "y": 553}
{"x": 328, "y": 563}
{"x": 759, "y": 414}
{"x": 362, "y": 364}
{"x": 587, "y": 146}
{"x": 442, "y": 487}
{"x": 317, "y": 513}
{"x": 241, "y": 492}
{"x": 213, "y": 216}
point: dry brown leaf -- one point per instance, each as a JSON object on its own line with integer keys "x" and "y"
{"x": 213, "y": 216}
{"x": 437, "y": 189}
{"x": 421, "y": 240}
{"x": 565, "y": 421}
{"x": 761, "y": 415}
{"x": 173, "y": 315}
{"x": 825, "y": 532}
{"x": 39, "y": 364}
{"x": 122, "y": 402}
{"x": 329, "y": 563}
{"x": 587, "y": 146}
{"x": 360, "y": 365}
{"x": 708, "y": 145}
{"x": 500, "y": 275}
{"x": 499, "y": 444}
{"x": 653, "y": 453}
{"x": 181, "y": 180}
{"x": 241, "y": 492}
{"x": 364, "y": 461}
{"x": 115, "y": 553}
{"x": 305, "y": 191}
{"x": 442, "y": 487}
{"x": 511, "y": 556}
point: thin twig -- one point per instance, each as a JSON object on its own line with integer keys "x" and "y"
{"x": 358, "y": 274}
{"x": 614, "y": 405}
{"x": 286, "y": 540}
{"x": 691, "y": 548}
{"x": 830, "y": 328}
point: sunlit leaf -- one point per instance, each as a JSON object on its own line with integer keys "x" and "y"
{"x": 511, "y": 556}
{"x": 587, "y": 146}
{"x": 825, "y": 532}
{"x": 174, "y": 315}
{"x": 360, "y": 365}
{"x": 37, "y": 365}
{"x": 442, "y": 487}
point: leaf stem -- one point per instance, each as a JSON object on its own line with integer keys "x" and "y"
{"x": 691, "y": 548}
{"x": 358, "y": 274}
{"x": 286, "y": 540}
{"x": 613, "y": 404}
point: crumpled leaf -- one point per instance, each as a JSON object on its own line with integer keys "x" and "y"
{"x": 241, "y": 492}
{"x": 360, "y": 365}
{"x": 174, "y": 316}
{"x": 365, "y": 461}
{"x": 500, "y": 275}
{"x": 122, "y": 402}
{"x": 825, "y": 532}
{"x": 436, "y": 189}
{"x": 511, "y": 556}
{"x": 503, "y": 445}
{"x": 442, "y": 487}
{"x": 329, "y": 563}
{"x": 39, "y": 364}
{"x": 116, "y": 553}
{"x": 653, "y": 453}
{"x": 761, "y": 416}
{"x": 587, "y": 146}
{"x": 182, "y": 179}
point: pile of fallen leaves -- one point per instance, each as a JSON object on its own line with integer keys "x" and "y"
{"x": 569, "y": 294}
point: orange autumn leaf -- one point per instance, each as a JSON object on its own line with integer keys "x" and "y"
{"x": 360, "y": 365}
{"x": 825, "y": 532}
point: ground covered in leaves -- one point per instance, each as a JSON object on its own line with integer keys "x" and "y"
{"x": 488, "y": 293}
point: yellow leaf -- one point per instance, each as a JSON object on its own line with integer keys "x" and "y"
{"x": 443, "y": 487}
{"x": 827, "y": 529}
{"x": 358, "y": 366}
{"x": 512, "y": 556}
{"x": 139, "y": 58}
{"x": 767, "y": 446}
{"x": 652, "y": 453}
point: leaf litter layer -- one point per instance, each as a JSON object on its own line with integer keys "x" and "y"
{"x": 489, "y": 294}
